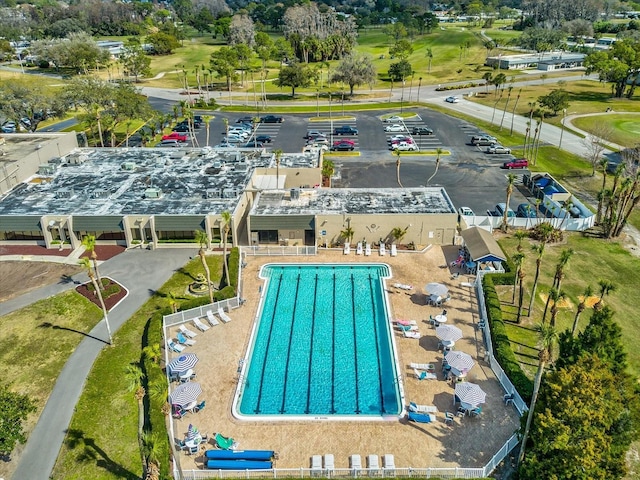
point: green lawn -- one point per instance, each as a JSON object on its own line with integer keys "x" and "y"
{"x": 625, "y": 129}
{"x": 105, "y": 446}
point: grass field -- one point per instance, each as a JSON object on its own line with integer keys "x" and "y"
{"x": 105, "y": 446}
{"x": 625, "y": 129}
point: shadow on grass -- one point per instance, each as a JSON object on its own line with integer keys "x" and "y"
{"x": 56, "y": 327}
{"x": 91, "y": 452}
{"x": 67, "y": 279}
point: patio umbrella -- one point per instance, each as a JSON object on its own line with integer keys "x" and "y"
{"x": 470, "y": 393}
{"x": 185, "y": 394}
{"x": 183, "y": 363}
{"x": 192, "y": 432}
{"x": 448, "y": 333}
{"x": 459, "y": 360}
{"x": 437, "y": 289}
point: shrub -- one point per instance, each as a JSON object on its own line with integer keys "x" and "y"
{"x": 501, "y": 344}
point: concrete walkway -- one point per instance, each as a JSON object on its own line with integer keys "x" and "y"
{"x": 141, "y": 272}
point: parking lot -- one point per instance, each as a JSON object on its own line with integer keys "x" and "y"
{"x": 471, "y": 176}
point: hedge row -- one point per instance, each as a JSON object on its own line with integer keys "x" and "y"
{"x": 501, "y": 344}
{"x": 459, "y": 87}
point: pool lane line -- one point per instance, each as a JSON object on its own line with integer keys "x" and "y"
{"x": 355, "y": 341}
{"x": 313, "y": 321}
{"x": 286, "y": 369}
{"x": 333, "y": 348}
{"x": 266, "y": 351}
{"x": 377, "y": 342}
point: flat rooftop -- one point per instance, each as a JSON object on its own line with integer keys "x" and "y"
{"x": 116, "y": 181}
{"x": 354, "y": 201}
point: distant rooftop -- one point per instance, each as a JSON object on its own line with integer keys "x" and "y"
{"x": 354, "y": 201}
{"x": 126, "y": 182}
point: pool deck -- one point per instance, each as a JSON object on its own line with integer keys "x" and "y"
{"x": 470, "y": 442}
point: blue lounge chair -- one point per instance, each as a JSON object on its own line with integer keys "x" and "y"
{"x": 421, "y": 417}
{"x": 200, "y": 406}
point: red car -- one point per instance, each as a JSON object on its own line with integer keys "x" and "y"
{"x": 344, "y": 140}
{"x": 516, "y": 163}
{"x": 175, "y": 136}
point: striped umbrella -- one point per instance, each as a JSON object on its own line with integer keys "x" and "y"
{"x": 449, "y": 333}
{"x": 183, "y": 363}
{"x": 470, "y": 393}
{"x": 438, "y": 289}
{"x": 185, "y": 393}
{"x": 192, "y": 432}
{"x": 459, "y": 360}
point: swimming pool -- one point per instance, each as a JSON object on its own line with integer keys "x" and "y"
{"x": 321, "y": 347}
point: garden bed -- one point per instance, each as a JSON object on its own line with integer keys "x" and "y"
{"x": 115, "y": 293}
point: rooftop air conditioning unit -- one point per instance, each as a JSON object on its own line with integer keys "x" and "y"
{"x": 128, "y": 166}
{"x": 46, "y": 169}
{"x": 78, "y": 159}
{"x": 101, "y": 193}
{"x": 212, "y": 193}
{"x": 295, "y": 194}
{"x": 153, "y": 192}
{"x": 64, "y": 193}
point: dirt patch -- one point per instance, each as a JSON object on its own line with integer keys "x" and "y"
{"x": 591, "y": 301}
{"x": 29, "y": 250}
{"x": 17, "y": 278}
{"x": 110, "y": 301}
{"x": 105, "y": 252}
{"x": 564, "y": 303}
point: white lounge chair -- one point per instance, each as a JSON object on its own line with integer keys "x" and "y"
{"x": 406, "y": 322}
{"x": 403, "y": 286}
{"x": 187, "y": 332}
{"x": 222, "y": 314}
{"x": 407, "y": 328}
{"x": 184, "y": 340}
{"x": 356, "y": 464}
{"x": 394, "y": 250}
{"x": 383, "y": 250}
{"x": 423, "y": 408}
{"x": 203, "y": 327}
{"x": 316, "y": 465}
{"x": 175, "y": 347}
{"x": 367, "y": 249}
{"x": 389, "y": 463}
{"x": 424, "y": 375}
{"x": 415, "y": 335}
{"x": 359, "y": 248}
{"x": 213, "y": 320}
{"x": 373, "y": 464}
{"x": 347, "y": 248}
{"x": 423, "y": 366}
{"x": 329, "y": 463}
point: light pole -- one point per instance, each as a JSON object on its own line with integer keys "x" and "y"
{"x": 402, "y": 95}
{"x": 331, "y": 120}
{"x": 419, "y": 85}
{"x": 564, "y": 114}
{"x": 317, "y": 103}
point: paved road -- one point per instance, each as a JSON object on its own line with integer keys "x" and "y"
{"x": 141, "y": 272}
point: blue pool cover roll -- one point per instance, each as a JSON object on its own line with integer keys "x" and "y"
{"x": 238, "y": 465}
{"x": 239, "y": 454}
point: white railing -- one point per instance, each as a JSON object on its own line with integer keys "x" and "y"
{"x": 197, "y": 312}
{"x": 569, "y": 224}
{"x": 277, "y": 250}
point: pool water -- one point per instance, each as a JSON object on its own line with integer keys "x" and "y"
{"x": 322, "y": 345}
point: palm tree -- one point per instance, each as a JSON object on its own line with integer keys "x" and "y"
{"x": 556, "y": 297}
{"x": 89, "y": 244}
{"x": 517, "y": 259}
{"x": 203, "y": 239}
{"x": 328, "y": 168}
{"x": 519, "y": 235}
{"x": 429, "y": 55}
{"x": 226, "y": 227}
{"x": 521, "y": 276}
{"x": 487, "y": 80}
{"x": 439, "y": 152}
{"x": 604, "y": 162}
{"x": 547, "y": 337}
{"x": 87, "y": 264}
{"x": 606, "y": 287}
{"x": 152, "y": 451}
{"x": 397, "y": 153}
{"x": 207, "y": 119}
{"x": 581, "y": 308}
{"x": 278, "y": 153}
{"x": 348, "y": 233}
{"x": 134, "y": 377}
{"x": 173, "y": 302}
{"x": 511, "y": 179}
{"x": 153, "y": 352}
{"x": 565, "y": 256}
{"x": 398, "y": 233}
{"x": 226, "y": 127}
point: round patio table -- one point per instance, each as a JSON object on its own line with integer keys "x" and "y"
{"x": 441, "y": 318}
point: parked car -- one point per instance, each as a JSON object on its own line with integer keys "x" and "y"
{"x": 404, "y": 140}
{"x": 526, "y": 210}
{"x": 25, "y": 122}
{"x": 315, "y": 148}
{"x": 396, "y": 127}
{"x": 169, "y": 143}
{"x": 345, "y": 140}
{"x": 401, "y": 138}
{"x": 498, "y": 149}
{"x": 271, "y": 119}
{"x": 342, "y": 147}
{"x": 466, "y": 211}
{"x": 394, "y": 119}
{"x": 421, "y": 131}
{"x": 253, "y": 144}
{"x": 516, "y": 163}
{"x": 181, "y": 128}
{"x": 238, "y": 131}
{"x": 452, "y": 99}
{"x": 311, "y": 134}
{"x": 263, "y": 138}
{"x": 499, "y": 209}
{"x": 319, "y": 141}
{"x": 483, "y": 140}
{"x": 176, "y": 136}
{"x": 345, "y": 130}
{"x": 224, "y": 145}
{"x": 405, "y": 147}
{"x": 233, "y": 139}
{"x": 248, "y": 120}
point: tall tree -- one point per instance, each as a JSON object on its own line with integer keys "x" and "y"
{"x": 582, "y": 305}
{"x": 242, "y": 30}
{"x": 14, "y": 410}
{"x": 294, "y": 76}
{"x": 87, "y": 265}
{"x": 606, "y": 287}
{"x": 135, "y": 60}
{"x": 355, "y": 70}
{"x": 89, "y": 244}
{"x": 565, "y": 256}
{"x": 547, "y": 338}
{"x": 518, "y": 260}
{"x": 397, "y": 154}
{"x": 556, "y": 296}
{"x": 134, "y": 377}
{"x": 203, "y": 239}
{"x": 225, "y": 219}
{"x": 511, "y": 179}
{"x": 225, "y": 62}
{"x": 439, "y": 151}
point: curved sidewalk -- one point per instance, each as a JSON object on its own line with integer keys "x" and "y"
{"x": 142, "y": 272}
